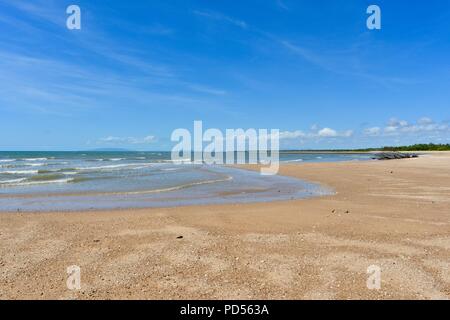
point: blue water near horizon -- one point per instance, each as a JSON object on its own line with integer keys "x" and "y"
{"x": 65, "y": 181}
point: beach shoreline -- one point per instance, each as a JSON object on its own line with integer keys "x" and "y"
{"x": 394, "y": 214}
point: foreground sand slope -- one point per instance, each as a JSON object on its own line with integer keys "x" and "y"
{"x": 395, "y": 214}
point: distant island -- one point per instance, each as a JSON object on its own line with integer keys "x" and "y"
{"x": 109, "y": 150}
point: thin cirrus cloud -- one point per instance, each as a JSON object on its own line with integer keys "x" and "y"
{"x": 207, "y": 90}
{"x": 343, "y": 63}
{"x": 221, "y": 17}
{"x": 27, "y": 69}
{"x": 121, "y": 66}
{"x": 157, "y": 29}
{"x": 41, "y": 82}
{"x": 339, "y": 62}
{"x": 282, "y": 5}
{"x": 42, "y": 78}
{"x": 39, "y": 9}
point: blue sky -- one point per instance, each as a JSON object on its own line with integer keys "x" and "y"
{"x": 137, "y": 70}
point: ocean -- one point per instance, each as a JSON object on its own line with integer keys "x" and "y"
{"x": 67, "y": 181}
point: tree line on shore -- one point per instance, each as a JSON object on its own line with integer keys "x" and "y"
{"x": 414, "y": 147}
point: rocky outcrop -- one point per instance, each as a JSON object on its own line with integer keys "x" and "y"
{"x": 394, "y": 155}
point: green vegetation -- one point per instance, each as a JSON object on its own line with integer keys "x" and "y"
{"x": 414, "y": 147}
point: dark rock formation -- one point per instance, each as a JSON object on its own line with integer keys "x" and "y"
{"x": 394, "y": 155}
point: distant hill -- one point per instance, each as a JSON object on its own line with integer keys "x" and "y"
{"x": 110, "y": 150}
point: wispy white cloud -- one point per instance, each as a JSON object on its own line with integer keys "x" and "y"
{"x": 344, "y": 62}
{"x": 221, "y": 17}
{"x": 208, "y": 90}
{"x": 42, "y": 85}
{"x": 125, "y": 72}
{"x": 282, "y": 5}
{"x": 156, "y": 29}
{"x": 308, "y": 55}
{"x": 316, "y": 133}
{"x": 44, "y": 10}
{"x": 395, "y": 127}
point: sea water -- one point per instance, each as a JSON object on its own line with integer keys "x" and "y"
{"x": 65, "y": 181}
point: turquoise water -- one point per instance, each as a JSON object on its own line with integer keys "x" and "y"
{"x": 46, "y": 181}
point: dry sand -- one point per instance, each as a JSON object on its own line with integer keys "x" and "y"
{"x": 394, "y": 214}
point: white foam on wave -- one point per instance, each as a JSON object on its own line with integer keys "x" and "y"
{"x": 171, "y": 169}
{"x": 109, "y": 159}
{"x": 20, "y": 172}
{"x": 34, "y": 164}
{"x": 143, "y": 166}
{"x": 7, "y": 160}
{"x": 296, "y": 160}
{"x": 23, "y": 182}
{"x": 181, "y": 161}
{"x": 23, "y": 165}
{"x": 35, "y": 159}
{"x": 175, "y": 188}
{"x": 105, "y": 167}
{"x": 12, "y": 181}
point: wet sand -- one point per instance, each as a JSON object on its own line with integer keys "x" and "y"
{"x": 394, "y": 214}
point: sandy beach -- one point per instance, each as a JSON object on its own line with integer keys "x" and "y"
{"x": 393, "y": 214}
